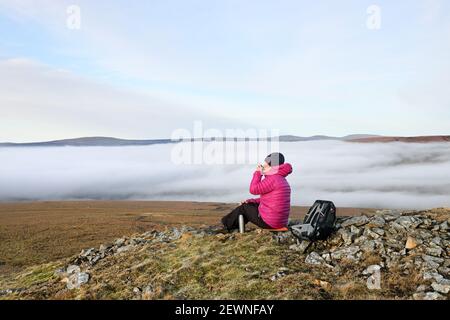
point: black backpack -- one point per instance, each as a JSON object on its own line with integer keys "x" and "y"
{"x": 319, "y": 222}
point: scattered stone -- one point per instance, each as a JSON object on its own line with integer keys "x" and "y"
{"x": 348, "y": 253}
{"x": 119, "y": 242}
{"x": 104, "y": 247}
{"x": 283, "y": 237}
{"x": 422, "y": 288}
{"x": 314, "y": 258}
{"x": 357, "y": 221}
{"x": 86, "y": 253}
{"x": 73, "y": 269}
{"x": 76, "y": 280}
{"x": 280, "y": 273}
{"x": 377, "y": 221}
{"x": 368, "y": 246}
{"x": 148, "y": 289}
{"x": 125, "y": 248}
{"x": 300, "y": 247}
{"x": 137, "y": 290}
{"x": 371, "y": 269}
{"x": 371, "y": 234}
{"x": 441, "y": 288}
{"x": 411, "y": 243}
{"x": 432, "y": 262}
{"x": 407, "y": 221}
{"x": 433, "y": 296}
{"x": 444, "y": 227}
{"x": 347, "y": 237}
{"x": 388, "y": 237}
{"x": 355, "y": 231}
{"x": 436, "y": 252}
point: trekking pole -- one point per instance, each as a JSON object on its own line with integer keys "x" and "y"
{"x": 241, "y": 224}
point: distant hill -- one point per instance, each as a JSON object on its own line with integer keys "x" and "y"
{"x": 115, "y": 142}
{"x": 418, "y": 139}
{"x": 89, "y": 142}
{"x": 291, "y": 138}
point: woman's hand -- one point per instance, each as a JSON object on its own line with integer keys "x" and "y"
{"x": 259, "y": 168}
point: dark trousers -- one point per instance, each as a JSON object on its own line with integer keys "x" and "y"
{"x": 250, "y": 213}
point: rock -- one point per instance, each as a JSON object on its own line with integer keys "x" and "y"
{"x": 432, "y": 262}
{"x": 428, "y": 275}
{"x": 388, "y": 215}
{"x": 393, "y": 243}
{"x": 445, "y": 271}
{"x": 441, "y": 288}
{"x": 411, "y": 243}
{"x": 436, "y": 241}
{"x": 444, "y": 227}
{"x": 347, "y": 237}
{"x": 77, "y": 279}
{"x": 422, "y": 288}
{"x": 347, "y": 253}
{"x": 359, "y": 240}
{"x": 280, "y": 273}
{"x": 119, "y": 242}
{"x": 369, "y": 233}
{"x": 397, "y": 228}
{"x": 137, "y": 290}
{"x": 148, "y": 290}
{"x": 433, "y": 296}
{"x": 368, "y": 246}
{"x": 86, "y": 253}
{"x": 176, "y": 234}
{"x": 314, "y": 258}
{"x": 104, "y": 247}
{"x": 357, "y": 221}
{"x": 371, "y": 269}
{"x": 73, "y": 269}
{"x": 283, "y": 237}
{"x": 407, "y": 222}
{"x": 428, "y": 296}
{"x": 300, "y": 247}
{"x": 326, "y": 257}
{"x": 377, "y": 221}
{"x": 355, "y": 231}
{"x": 436, "y": 252}
{"x": 124, "y": 248}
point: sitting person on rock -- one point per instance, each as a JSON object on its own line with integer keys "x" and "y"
{"x": 271, "y": 209}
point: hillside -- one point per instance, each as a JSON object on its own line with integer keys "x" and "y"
{"x": 410, "y": 248}
{"x": 418, "y": 139}
{"x": 116, "y": 142}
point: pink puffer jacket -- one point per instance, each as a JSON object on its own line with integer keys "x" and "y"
{"x": 275, "y": 200}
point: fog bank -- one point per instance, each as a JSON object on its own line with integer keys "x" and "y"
{"x": 393, "y": 175}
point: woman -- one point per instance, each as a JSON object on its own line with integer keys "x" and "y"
{"x": 271, "y": 209}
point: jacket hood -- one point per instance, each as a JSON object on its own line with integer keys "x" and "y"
{"x": 282, "y": 170}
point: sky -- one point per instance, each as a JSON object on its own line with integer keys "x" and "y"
{"x": 142, "y": 69}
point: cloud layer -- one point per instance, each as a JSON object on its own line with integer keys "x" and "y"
{"x": 393, "y": 175}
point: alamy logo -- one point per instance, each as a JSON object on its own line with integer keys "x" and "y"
{"x": 216, "y": 147}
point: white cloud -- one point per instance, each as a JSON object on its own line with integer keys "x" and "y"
{"x": 42, "y": 103}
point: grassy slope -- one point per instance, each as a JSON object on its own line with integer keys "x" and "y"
{"x": 38, "y": 232}
{"x": 212, "y": 266}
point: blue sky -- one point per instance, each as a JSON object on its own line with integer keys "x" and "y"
{"x": 140, "y": 69}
